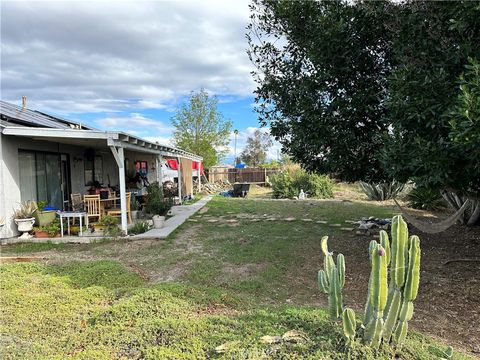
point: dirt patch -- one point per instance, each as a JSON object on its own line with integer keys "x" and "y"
{"x": 240, "y": 272}
{"x": 448, "y": 302}
{"x": 203, "y": 210}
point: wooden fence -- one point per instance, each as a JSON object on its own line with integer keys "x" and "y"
{"x": 249, "y": 175}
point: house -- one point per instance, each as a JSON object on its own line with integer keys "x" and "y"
{"x": 44, "y": 157}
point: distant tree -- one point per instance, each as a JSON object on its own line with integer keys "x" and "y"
{"x": 255, "y": 151}
{"x": 201, "y": 129}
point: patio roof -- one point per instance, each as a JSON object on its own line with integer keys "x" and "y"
{"x": 98, "y": 138}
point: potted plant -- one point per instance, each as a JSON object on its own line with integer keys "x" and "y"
{"x": 23, "y": 217}
{"x": 48, "y": 231}
{"x": 157, "y": 205}
{"x": 43, "y": 215}
{"x": 135, "y": 209}
{"x": 109, "y": 225}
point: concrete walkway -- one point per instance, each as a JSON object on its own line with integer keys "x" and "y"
{"x": 179, "y": 215}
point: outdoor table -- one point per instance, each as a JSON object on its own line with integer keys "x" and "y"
{"x": 104, "y": 202}
{"x": 72, "y": 214}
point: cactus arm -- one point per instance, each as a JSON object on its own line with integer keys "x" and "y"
{"x": 385, "y": 244}
{"x": 349, "y": 325}
{"x": 392, "y": 315}
{"x": 399, "y": 250}
{"x": 377, "y": 295}
{"x": 323, "y": 282}
{"x": 335, "y": 296}
{"x": 324, "y": 245}
{"x": 341, "y": 270}
{"x": 413, "y": 271}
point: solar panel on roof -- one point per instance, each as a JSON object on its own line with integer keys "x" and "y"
{"x": 30, "y": 117}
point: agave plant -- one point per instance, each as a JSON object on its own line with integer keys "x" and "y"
{"x": 382, "y": 191}
{"x": 26, "y": 210}
{"x": 425, "y": 199}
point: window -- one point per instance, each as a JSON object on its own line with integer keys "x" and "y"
{"x": 141, "y": 167}
{"x": 93, "y": 170}
{"x": 41, "y": 177}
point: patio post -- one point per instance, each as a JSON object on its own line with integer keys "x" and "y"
{"x": 120, "y": 159}
{"x": 179, "y": 180}
{"x": 160, "y": 171}
{"x": 199, "y": 172}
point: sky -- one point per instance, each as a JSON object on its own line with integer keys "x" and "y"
{"x": 127, "y": 65}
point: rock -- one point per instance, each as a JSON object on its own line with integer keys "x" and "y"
{"x": 231, "y": 221}
{"x": 267, "y": 339}
{"x": 321, "y": 222}
{"x": 289, "y": 219}
{"x": 335, "y": 225}
{"x": 347, "y": 229}
{"x": 229, "y": 345}
{"x": 351, "y": 221}
{"x": 359, "y": 233}
{"x": 212, "y": 220}
{"x": 193, "y": 220}
{"x": 295, "y": 336}
{"x": 307, "y": 220}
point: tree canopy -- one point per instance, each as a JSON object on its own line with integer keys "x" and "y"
{"x": 256, "y": 147}
{"x": 371, "y": 90}
{"x": 200, "y": 128}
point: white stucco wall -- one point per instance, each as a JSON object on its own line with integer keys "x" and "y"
{"x": 9, "y": 175}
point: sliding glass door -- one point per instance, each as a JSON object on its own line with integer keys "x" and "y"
{"x": 42, "y": 178}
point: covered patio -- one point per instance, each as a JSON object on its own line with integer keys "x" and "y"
{"x": 116, "y": 153}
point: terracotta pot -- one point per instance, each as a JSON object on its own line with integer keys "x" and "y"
{"x": 41, "y": 234}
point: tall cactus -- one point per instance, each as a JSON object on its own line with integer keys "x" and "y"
{"x": 332, "y": 279}
{"x": 377, "y": 294}
{"x": 410, "y": 290}
{"x": 397, "y": 274}
{"x": 389, "y": 305}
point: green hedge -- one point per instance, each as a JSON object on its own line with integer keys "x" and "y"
{"x": 286, "y": 186}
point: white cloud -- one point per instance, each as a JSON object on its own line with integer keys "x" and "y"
{"x": 105, "y": 56}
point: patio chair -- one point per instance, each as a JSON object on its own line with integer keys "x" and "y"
{"x": 92, "y": 206}
{"x": 76, "y": 202}
{"x": 118, "y": 212}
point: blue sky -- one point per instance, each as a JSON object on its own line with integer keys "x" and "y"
{"x": 127, "y": 65}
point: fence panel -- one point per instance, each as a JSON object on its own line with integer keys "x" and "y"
{"x": 249, "y": 175}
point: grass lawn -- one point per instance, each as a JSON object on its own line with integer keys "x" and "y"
{"x": 233, "y": 274}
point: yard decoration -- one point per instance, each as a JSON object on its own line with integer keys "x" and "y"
{"x": 389, "y": 305}
{"x": 332, "y": 279}
{"x": 23, "y": 217}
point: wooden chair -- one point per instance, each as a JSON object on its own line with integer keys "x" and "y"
{"x": 118, "y": 212}
{"x": 92, "y": 206}
{"x": 76, "y": 202}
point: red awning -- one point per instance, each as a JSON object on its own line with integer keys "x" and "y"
{"x": 172, "y": 164}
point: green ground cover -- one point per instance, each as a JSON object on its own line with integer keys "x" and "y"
{"x": 223, "y": 278}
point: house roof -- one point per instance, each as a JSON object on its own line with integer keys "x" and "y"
{"x": 16, "y": 121}
{"x": 22, "y": 116}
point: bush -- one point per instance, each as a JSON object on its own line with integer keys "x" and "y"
{"x": 286, "y": 185}
{"x": 110, "y": 225}
{"x": 155, "y": 203}
{"x": 425, "y": 199}
{"x": 382, "y": 191}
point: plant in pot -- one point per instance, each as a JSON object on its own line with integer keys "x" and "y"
{"x": 157, "y": 205}
{"x": 109, "y": 225}
{"x": 43, "y": 215}
{"x": 23, "y": 217}
{"x": 48, "y": 231}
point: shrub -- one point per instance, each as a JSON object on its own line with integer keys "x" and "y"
{"x": 382, "y": 191}
{"x": 139, "y": 227}
{"x": 286, "y": 185}
{"x": 110, "y": 224}
{"x": 425, "y": 199}
{"x": 155, "y": 203}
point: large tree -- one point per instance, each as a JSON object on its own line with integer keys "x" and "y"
{"x": 255, "y": 151}
{"x": 371, "y": 90}
{"x": 200, "y": 128}
{"x": 321, "y": 74}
